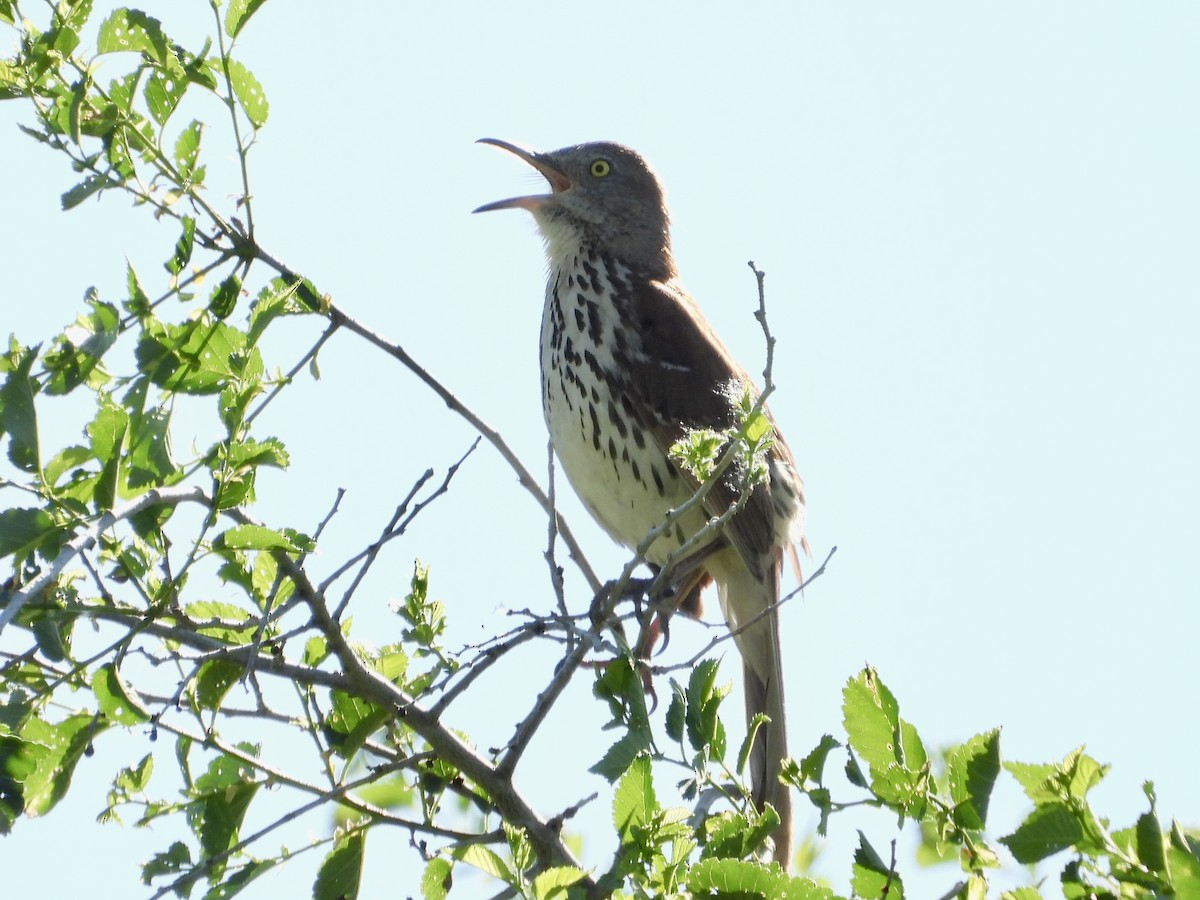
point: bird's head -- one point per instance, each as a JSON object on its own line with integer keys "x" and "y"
{"x": 601, "y": 194}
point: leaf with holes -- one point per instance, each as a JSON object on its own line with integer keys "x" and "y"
{"x": 249, "y": 94}
{"x": 133, "y": 30}
{"x": 239, "y": 13}
{"x": 187, "y": 150}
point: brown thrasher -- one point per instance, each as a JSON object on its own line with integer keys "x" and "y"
{"x": 629, "y": 365}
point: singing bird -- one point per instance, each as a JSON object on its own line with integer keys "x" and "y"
{"x": 629, "y": 365}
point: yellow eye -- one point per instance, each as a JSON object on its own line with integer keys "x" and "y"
{"x": 600, "y": 168}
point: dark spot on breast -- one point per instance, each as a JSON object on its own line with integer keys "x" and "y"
{"x": 572, "y": 357}
{"x": 593, "y": 364}
{"x": 658, "y": 482}
{"x": 615, "y": 418}
{"x": 579, "y": 320}
{"x": 595, "y": 427}
{"x": 595, "y": 332}
{"x": 593, "y": 276}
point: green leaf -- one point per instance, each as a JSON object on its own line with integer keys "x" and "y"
{"x": 437, "y": 879}
{"x": 134, "y": 779}
{"x": 249, "y": 93}
{"x": 233, "y": 884}
{"x": 91, "y": 185}
{"x": 148, "y": 458}
{"x": 194, "y": 358}
{"x": 187, "y": 239}
{"x": 890, "y": 746}
{"x": 116, "y": 699}
{"x": 705, "y": 731}
{"x": 812, "y": 767}
{"x": 553, "y": 882}
{"x": 79, "y": 92}
{"x": 133, "y": 30}
{"x": 872, "y": 720}
{"x": 253, "y": 537}
{"x": 268, "y": 452}
{"x": 69, "y": 458}
{"x": 751, "y": 731}
{"x": 1151, "y": 843}
{"x": 971, "y": 770}
{"x": 138, "y": 303}
{"x": 1083, "y": 772}
{"x": 278, "y": 298}
{"x": 53, "y": 633}
{"x": 634, "y": 801}
{"x": 1050, "y": 828}
{"x": 163, "y": 92}
{"x": 224, "y": 621}
{"x": 187, "y": 150}
{"x": 47, "y": 758}
{"x": 226, "y": 790}
{"x": 239, "y": 13}
{"x": 75, "y": 356}
{"x": 214, "y": 679}
{"x": 756, "y": 428}
{"x": 870, "y": 874}
{"x": 676, "y": 712}
{"x": 107, "y": 432}
{"x": 17, "y": 415}
{"x": 486, "y": 860}
{"x": 340, "y": 874}
{"x": 22, "y": 530}
{"x": 351, "y": 721}
{"x": 1035, "y": 779}
{"x": 224, "y": 297}
{"x": 316, "y": 649}
{"x": 1185, "y": 872}
{"x": 735, "y": 878}
{"x": 620, "y": 756}
{"x": 172, "y": 864}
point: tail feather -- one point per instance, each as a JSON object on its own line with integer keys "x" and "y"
{"x": 744, "y": 596}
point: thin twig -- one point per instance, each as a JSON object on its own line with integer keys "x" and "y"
{"x": 167, "y": 496}
{"x": 524, "y": 478}
{"x": 556, "y": 572}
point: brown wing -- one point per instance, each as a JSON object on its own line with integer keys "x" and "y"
{"x": 680, "y": 373}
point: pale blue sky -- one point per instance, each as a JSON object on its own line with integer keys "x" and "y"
{"x": 980, "y": 229}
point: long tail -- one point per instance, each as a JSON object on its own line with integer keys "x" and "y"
{"x": 743, "y": 596}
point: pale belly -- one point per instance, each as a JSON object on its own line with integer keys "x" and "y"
{"x": 619, "y": 473}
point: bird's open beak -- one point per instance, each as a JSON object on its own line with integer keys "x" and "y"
{"x": 558, "y": 179}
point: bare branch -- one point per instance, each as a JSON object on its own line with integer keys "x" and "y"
{"x": 524, "y": 478}
{"x": 169, "y": 496}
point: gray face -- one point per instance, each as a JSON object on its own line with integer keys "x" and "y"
{"x": 603, "y": 195}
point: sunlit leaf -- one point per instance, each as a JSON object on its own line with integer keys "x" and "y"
{"x": 133, "y": 30}
{"x": 17, "y": 414}
{"x": 187, "y": 149}
{"x": 116, "y": 699}
{"x": 634, "y": 801}
{"x": 249, "y": 93}
{"x": 238, "y": 13}
{"x": 437, "y": 879}
{"x": 341, "y": 871}
{"x": 1050, "y": 828}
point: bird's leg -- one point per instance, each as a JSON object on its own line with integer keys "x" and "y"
{"x": 682, "y": 593}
